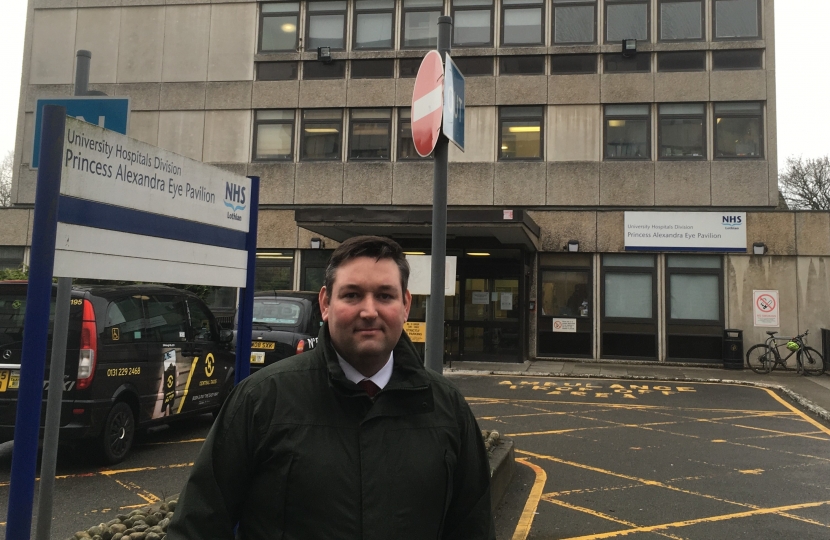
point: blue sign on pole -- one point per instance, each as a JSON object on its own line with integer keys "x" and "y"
{"x": 453, "y": 103}
{"x": 111, "y": 113}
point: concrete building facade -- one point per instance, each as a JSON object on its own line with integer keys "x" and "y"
{"x": 564, "y": 134}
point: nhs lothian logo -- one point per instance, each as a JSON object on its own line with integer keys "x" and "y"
{"x": 732, "y": 222}
{"x": 235, "y": 200}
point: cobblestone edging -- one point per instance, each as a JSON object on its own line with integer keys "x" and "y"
{"x": 148, "y": 523}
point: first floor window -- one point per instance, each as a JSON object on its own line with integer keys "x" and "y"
{"x": 522, "y": 22}
{"x": 326, "y": 24}
{"x": 274, "y": 135}
{"x": 739, "y": 128}
{"x": 521, "y": 65}
{"x": 472, "y": 22}
{"x": 626, "y": 19}
{"x": 737, "y": 59}
{"x": 276, "y": 71}
{"x": 564, "y": 64}
{"x": 617, "y": 63}
{"x": 627, "y": 129}
{"x": 520, "y": 130}
{"x": 681, "y": 20}
{"x": 278, "y": 26}
{"x": 374, "y": 24}
{"x": 736, "y": 19}
{"x": 574, "y": 21}
{"x": 321, "y": 134}
{"x": 681, "y": 61}
{"x": 474, "y": 66}
{"x": 682, "y": 131}
{"x": 369, "y": 138}
{"x": 420, "y": 23}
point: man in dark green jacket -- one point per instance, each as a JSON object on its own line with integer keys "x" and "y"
{"x": 352, "y": 440}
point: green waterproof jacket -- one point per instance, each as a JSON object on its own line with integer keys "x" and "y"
{"x": 301, "y": 453}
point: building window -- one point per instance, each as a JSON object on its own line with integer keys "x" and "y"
{"x": 321, "y": 134}
{"x": 374, "y": 23}
{"x": 681, "y": 20}
{"x": 522, "y": 65}
{"x": 274, "y": 135}
{"x": 370, "y": 134}
{"x": 566, "y": 64}
{"x": 278, "y": 26}
{"x": 11, "y": 257}
{"x": 475, "y": 66}
{"x": 626, "y": 19}
{"x": 406, "y": 148}
{"x": 681, "y": 61}
{"x": 682, "y": 131}
{"x": 274, "y": 271}
{"x": 617, "y": 63}
{"x": 627, "y": 133}
{"x": 420, "y": 23}
{"x": 739, "y": 129}
{"x": 629, "y": 306}
{"x": 373, "y": 69}
{"x": 694, "y": 308}
{"x": 314, "y": 69}
{"x": 276, "y": 71}
{"x": 565, "y": 291}
{"x": 520, "y": 133}
{"x": 737, "y": 19}
{"x": 408, "y": 67}
{"x": 313, "y": 263}
{"x": 472, "y": 23}
{"x": 738, "y": 59}
{"x": 574, "y": 21}
{"x": 326, "y": 25}
{"x": 522, "y": 22}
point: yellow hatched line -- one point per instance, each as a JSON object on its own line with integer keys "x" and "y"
{"x": 526, "y": 519}
{"x": 777, "y": 398}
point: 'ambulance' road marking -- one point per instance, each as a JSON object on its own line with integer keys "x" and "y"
{"x": 526, "y": 519}
{"x": 428, "y": 104}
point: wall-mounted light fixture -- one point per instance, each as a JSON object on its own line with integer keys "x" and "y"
{"x": 629, "y": 48}
{"x": 324, "y": 54}
{"x": 316, "y": 243}
{"x": 759, "y": 248}
{"x": 573, "y": 245}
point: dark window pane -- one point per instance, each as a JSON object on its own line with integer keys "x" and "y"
{"x": 616, "y": 63}
{"x": 279, "y": 33}
{"x": 421, "y": 29}
{"x": 373, "y": 30}
{"x": 315, "y": 69}
{"x": 682, "y": 138}
{"x": 626, "y": 132}
{"x": 408, "y": 67}
{"x": 681, "y": 61}
{"x": 367, "y": 69}
{"x": 321, "y": 134}
{"x": 574, "y": 24}
{"x": 626, "y": 21}
{"x": 369, "y": 140}
{"x": 738, "y": 59}
{"x": 326, "y": 31}
{"x": 472, "y": 27}
{"x": 272, "y": 278}
{"x": 681, "y": 20}
{"x": 472, "y": 66}
{"x": 738, "y": 137}
{"x": 522, "y": 26}
{"x": 736, "y": 19}
{"x": 276, "y": 71}
{"x": 573, "y": 63}
{"x": 522, "y": 65}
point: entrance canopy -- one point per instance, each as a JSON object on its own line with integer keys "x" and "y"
{"x": 509, "y": 227}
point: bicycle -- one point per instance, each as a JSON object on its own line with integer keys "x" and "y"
{"x": 765, "y": 357}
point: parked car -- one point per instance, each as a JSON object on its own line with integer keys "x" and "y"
{"x": 136, "y": 356}
{"x": 285, "y": 323}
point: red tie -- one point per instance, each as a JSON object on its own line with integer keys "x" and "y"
{"x": 371, "y": 388}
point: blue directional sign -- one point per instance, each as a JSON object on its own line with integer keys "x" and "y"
{"x": 111, "y": 113}
{"x": 453, "y": 104}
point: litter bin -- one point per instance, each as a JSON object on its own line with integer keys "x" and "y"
{"x": 733, "y": 349}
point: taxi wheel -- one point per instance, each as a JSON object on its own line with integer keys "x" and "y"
{"x": 119, "y": 433}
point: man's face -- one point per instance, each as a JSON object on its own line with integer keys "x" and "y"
{"x": 366, "y": 310}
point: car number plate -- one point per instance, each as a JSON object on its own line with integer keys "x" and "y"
{"x": 257, "y": 357}
{"x": 267, "y": 345}
{"x": 9, "y": 380}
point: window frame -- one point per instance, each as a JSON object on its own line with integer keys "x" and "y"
{"x": 258, "y": 65}
{"x": 258, "y": 122}
{"x": 540, "y": 118}
{"x": 662, "y": 54}
{"x": 364, "y": 61}
{"x": 594, "y": 72}
{"x": 508, "y": 7}
{"x": 760, "y": 21}
{"x": 727, "y": 51}
{"x": 263, "y": 260}
{"x": 700, "y": 271}
{"x": 608, "y": 3}
{"x": 304, "y": 123}
{"x": 704, "y": 129}
{"x": 404, "y": 11}
{"x": 353, "y": 121}
{"x": 609, "y": 56}
{"x": 357, "y": 12}
{"x": 263, "y": 15}
{"x": 543, "y": 320}
{"x": 491, "y": 8}
{"x": 309, "y": 14}
{"x": 687, "y": 40}
{"x": 610, "y": 269}
{"x": 508, "y": 58}
{"x": 553, "y": 42}
{"x": 761, "y": 132}
{"x": 606, "y": 118}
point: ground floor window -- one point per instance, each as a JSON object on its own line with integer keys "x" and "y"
{"x": 274, "y": 271}
{"x": 694, "y": 308}
{"x": 629, "y": 306}
{"x": 565, "y": 311}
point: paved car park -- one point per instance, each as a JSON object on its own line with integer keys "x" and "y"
{"x": 596, "y": 458}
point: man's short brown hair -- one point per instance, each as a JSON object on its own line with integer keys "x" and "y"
{"x": 376, "y": 247}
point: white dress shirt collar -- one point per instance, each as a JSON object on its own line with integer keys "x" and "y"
{"x": 381, "y": 378}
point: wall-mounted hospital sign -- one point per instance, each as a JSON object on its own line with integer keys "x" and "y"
{"x": 685, "y": 231}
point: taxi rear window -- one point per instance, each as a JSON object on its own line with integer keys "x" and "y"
{"x": 12, "y": 313}
{"x": 279, "y": 312}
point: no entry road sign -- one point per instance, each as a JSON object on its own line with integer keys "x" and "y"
{"x": 427, "y": 103}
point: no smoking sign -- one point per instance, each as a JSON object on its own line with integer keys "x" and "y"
{"x": 765, "y": 308}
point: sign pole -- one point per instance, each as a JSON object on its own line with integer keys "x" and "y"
{"x": 245, "y": 312}
{"x": 435, "y": 308}
{"x": 36, "y": 323}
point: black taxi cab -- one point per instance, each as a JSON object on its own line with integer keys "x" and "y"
{"x": 284, "y": 323}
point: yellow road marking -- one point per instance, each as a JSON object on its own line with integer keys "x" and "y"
{"x": 711, "y": 519}
{"x": 751, "y": 471}
{"x": 775, "y": 396}
{"x": 138, "y": 490}
{"x": 529, "y": 512}
{"x": 174, "y": 442}
{"x": 142, "y": 469}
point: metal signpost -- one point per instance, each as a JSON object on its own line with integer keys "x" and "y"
{"x": 110, "y": 207}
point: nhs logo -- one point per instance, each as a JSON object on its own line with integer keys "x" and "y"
{"x": 235, "y": 199}
{"x": 731, "y": 222}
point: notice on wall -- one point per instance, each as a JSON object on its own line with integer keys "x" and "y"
{"x": 765, "y": 308}
{"x": 417, "y": 331}
{"x": 719, "y": 232}
{"x": 481, "y": 298}
{"x": 506, "y": 301}
{"x": 564, "y": 325}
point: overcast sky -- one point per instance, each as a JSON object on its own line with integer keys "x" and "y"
{"x": 803, "y": 79}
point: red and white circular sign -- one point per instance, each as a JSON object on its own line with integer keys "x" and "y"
{"x": 428, "y": 103}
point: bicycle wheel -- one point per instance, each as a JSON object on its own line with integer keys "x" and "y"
{"x": 760, "y": 358}
{"x": 810, "y": 361}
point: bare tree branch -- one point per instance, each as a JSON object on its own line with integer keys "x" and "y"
{"x": 6, "y": 169}
{"x": 805, "y": 183}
